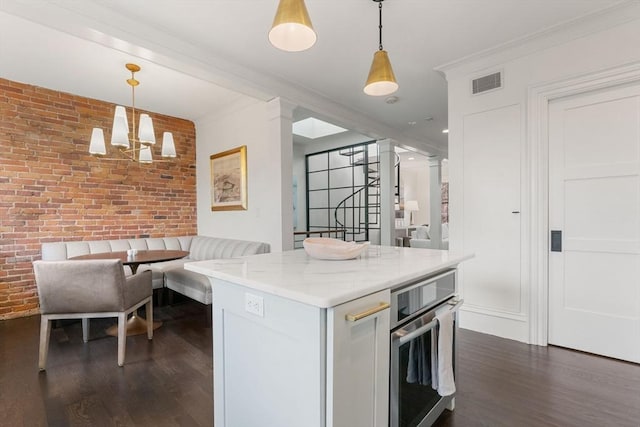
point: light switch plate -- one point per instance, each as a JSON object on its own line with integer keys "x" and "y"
{"x": 254, "y": 304}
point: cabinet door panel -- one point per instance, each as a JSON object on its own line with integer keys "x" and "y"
{"x": 358, "y": 364}
{"x": 266, "y": 368}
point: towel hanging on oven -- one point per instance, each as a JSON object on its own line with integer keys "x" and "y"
{"x": 419, "y": 363}
{"x": 443, "y": 375}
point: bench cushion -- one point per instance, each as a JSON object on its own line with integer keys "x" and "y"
{"x": 158, "y": 269}
{"x": 191, "y": 284}
{"x": 204, "y": 248}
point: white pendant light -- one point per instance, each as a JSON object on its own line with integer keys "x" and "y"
{"x": 381, "y": 80}
{"x": 292, "y": 30}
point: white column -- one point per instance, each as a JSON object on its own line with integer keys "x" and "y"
{"x": 435, "y": 204}
{"x": 280, "y": 118}
{"x": 387, "y": 194}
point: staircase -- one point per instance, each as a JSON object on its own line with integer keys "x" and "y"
{"x": 359, "y": 213}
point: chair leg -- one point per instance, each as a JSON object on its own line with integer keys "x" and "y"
{"x": 122, "y": 337}
{"x": 85, "y": 329}
{"x": 45, "y": 333}
{"x": 149, "y": 313}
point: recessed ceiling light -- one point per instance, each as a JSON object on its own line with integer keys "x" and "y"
{"x": 445, "y": 130}
{"x": 314, "y": 128}
{"x": 412, "y": 158}
{"x": 412, "y": 123}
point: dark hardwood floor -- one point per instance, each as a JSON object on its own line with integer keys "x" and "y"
{"x": 164, "y": 382}
{"x": 168, "y": 382}
{"x": 506, "y": 383}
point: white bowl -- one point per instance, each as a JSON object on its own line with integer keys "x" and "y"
{"x": 332, "y": 249}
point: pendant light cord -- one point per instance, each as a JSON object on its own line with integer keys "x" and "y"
{"x": 380, "y": 25}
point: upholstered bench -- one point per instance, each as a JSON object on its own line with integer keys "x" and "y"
{"x": 170, "y": 274}
{"x": 198, "y": 286}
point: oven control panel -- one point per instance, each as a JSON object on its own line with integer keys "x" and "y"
{"x": 421, "y": 295}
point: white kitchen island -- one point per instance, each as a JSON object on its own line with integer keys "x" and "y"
{"x": 290, "y": 347}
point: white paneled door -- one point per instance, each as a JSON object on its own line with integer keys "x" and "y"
{"x": 594, "y": 200}
{"x": 492, "y": 224}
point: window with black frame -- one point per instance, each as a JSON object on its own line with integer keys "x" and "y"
{"x": 343, "y": 191}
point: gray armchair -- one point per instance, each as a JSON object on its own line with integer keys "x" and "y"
{"x": 86, "y": 289}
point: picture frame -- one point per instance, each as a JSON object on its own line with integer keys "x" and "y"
{"x": 229, "y": 180}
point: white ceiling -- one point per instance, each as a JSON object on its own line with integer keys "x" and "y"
{"x": 200, "y": 56}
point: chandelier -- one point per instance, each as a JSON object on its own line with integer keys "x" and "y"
{"x": 132, "y": 148}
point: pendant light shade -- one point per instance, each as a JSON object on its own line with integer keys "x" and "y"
{"x": 145, "y": 154}
{"x": 96, "y": 146}
{"x": 146, "y": 134}
{"x": 292, "y": 30}
{"x": 120, "y": 128}
{"x": 381, "y": 80}
{"x": 168, "y": 147}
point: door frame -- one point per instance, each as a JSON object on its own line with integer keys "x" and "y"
{"x": 539, "y": 96}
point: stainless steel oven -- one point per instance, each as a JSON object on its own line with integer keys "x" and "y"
{"x": 413, "y": 401}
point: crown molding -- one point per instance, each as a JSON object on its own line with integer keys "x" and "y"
{"x": 608, "y": 17}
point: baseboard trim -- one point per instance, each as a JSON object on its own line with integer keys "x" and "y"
{"x": 510, "y": 328}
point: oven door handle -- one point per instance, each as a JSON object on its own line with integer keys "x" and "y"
{"x": 422, "y": 329}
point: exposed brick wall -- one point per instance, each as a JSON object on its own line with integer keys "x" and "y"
{"x": 51, "y": 189}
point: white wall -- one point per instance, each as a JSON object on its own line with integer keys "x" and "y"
{"x": 445, "y": 170}
{"x": 247, "y": 123}
{"x": 599, "y": 50}
{"x": 414, "y": 182}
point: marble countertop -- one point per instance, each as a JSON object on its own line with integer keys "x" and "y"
{"x": 297, "y": 276}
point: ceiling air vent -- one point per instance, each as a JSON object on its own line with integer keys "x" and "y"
{"x": 486, "y": 83}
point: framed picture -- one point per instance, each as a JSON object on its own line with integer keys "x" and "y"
{"x": 229, "y": 180}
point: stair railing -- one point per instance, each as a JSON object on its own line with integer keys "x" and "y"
{"x": 362, "y": 226}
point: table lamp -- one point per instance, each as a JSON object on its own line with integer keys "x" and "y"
{"x": 411, "y": 206}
